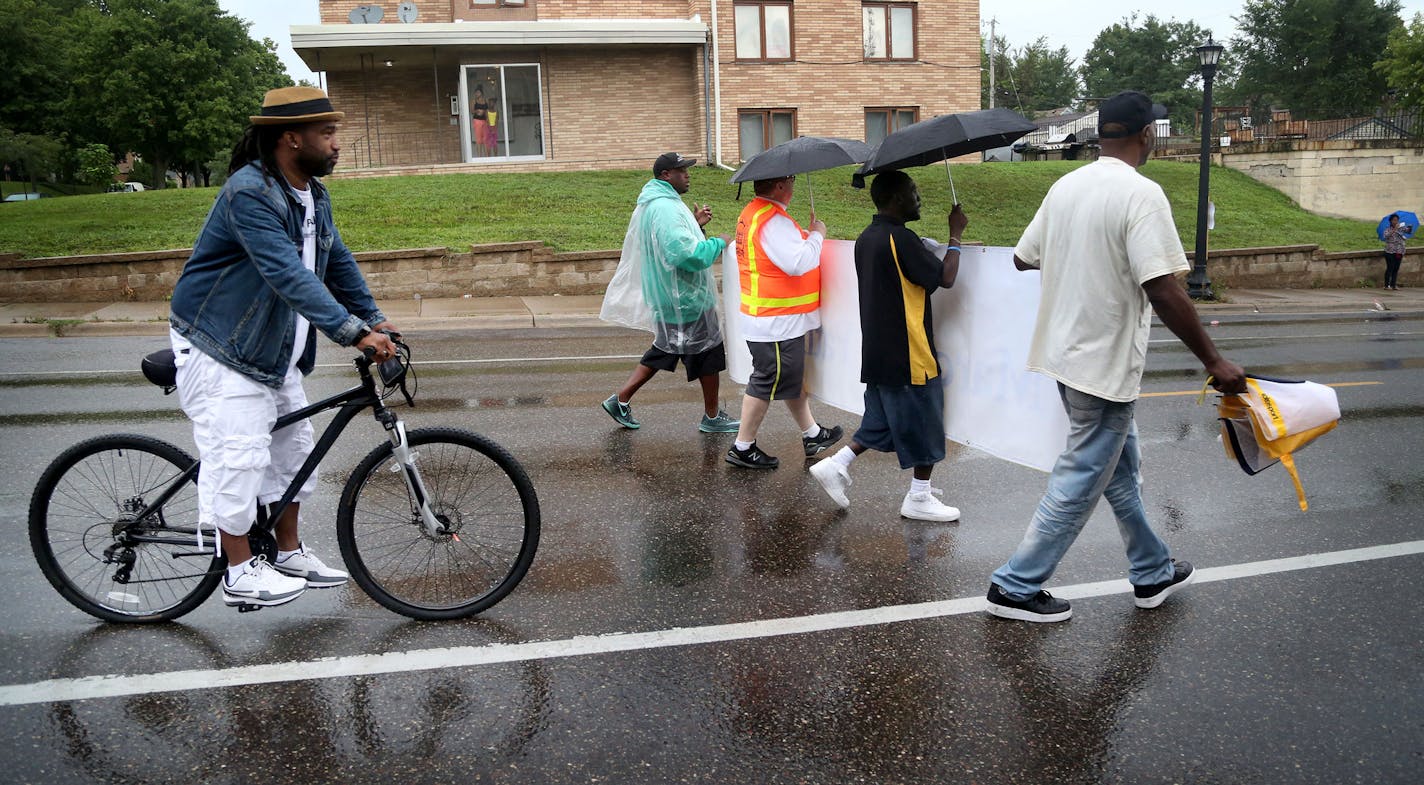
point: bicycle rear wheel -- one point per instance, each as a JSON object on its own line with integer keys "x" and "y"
{"x": 488, "y": 512}
{"x": 90, "y": 544}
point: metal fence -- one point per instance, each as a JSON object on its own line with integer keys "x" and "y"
{"x": 1396, "y": 125}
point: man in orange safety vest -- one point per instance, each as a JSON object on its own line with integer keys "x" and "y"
{"x": 779, "y": 265}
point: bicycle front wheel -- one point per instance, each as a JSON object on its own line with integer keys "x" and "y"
{"x": 489, "y": 526}
{"x": 96, "y": 550}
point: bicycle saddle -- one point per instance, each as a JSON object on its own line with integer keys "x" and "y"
{"x": 160, "y": 369}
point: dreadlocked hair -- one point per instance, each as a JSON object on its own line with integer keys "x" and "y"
{"x": 258, "y": 143}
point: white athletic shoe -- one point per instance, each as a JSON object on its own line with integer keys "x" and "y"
{"x": 259, "y": 584}
{"x": 305, "y": 565}
{"x": 923, "y": 506}
{"x": 834, "y": 479}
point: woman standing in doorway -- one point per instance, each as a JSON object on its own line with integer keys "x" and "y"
{"x": 479, "y": 110}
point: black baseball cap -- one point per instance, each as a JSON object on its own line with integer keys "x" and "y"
{"x": 671, "y": 161}
{"x": 1131, "y": 111}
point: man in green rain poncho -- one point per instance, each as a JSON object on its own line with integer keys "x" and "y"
{"x": 664, "y": 285}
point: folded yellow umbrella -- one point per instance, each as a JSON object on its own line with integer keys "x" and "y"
{"x": 1273, "y": 419}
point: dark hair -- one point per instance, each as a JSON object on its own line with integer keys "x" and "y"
{"x": 763, "y": 187}
{"x": 258, "y": 143}
{"x": 1394, "y": 216}
{"x": 886, "y": 184}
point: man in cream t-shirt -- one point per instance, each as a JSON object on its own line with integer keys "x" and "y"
{"x": 1107, "y": 247}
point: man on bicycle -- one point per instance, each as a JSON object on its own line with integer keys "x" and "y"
{"x": 268, "y": 266}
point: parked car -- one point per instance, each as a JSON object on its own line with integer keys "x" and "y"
{"x": 25, "y": 197}
{"x": 125, "y": 188}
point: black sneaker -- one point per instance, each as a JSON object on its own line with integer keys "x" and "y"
{"x": 1151, "y": 596}
{"x": 751, "y": 458}
{"x": 814, "y": 445}
{"x": 1040, "y": 607}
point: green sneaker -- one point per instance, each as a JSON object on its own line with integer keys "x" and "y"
{"x": 620, "y": 412}
{"x": 719, "y": 424}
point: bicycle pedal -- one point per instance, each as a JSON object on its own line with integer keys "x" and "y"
{"x": 248, "y": 607}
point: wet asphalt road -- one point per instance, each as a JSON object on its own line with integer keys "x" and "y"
{"x": 1307, "y": 675}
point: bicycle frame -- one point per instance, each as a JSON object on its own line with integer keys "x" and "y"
{"x": 350, "y": 403}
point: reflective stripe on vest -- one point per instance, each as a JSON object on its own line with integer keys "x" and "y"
{"x": 766, "y": 289}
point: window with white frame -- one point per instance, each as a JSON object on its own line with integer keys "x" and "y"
{"x": 888, "y": 31}
{"x": 763, "y": 30}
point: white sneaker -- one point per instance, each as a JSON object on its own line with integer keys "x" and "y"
{"x": 923, "y": 506}
{"x": 259, "y": 584}
{"x": 834, "y": 479}
{"x": 305, "y": 565}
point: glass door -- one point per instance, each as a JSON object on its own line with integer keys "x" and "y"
{"x": 502, "y": 112}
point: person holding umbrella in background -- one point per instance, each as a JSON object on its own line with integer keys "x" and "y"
{"x": 1394, "y": 234}
{"x": 904, "y": 390}
{"x": 778, "y": 264}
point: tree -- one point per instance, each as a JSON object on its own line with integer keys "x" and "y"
{"x": 1031, "y": 79}
{"x": 1403, "y": 65}
{"x": 37, "y": 155}
{"x": 1315, "y": 57}
{"x": 96, "y": 165}
{"x": 173, "y": 80}
{"x": 1158, "y": 58}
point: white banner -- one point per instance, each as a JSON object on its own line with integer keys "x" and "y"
{"x": 982, "y": 331}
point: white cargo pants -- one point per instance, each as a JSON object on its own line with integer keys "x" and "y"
{"x": 244, "y": 462}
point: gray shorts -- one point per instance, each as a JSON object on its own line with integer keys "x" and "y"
{"x": 907, "y": 420}
{"x": 777, "y": 368}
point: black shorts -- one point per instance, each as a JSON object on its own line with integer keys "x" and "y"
{"x": 777, "y": 369}
{"x": 907, "y": 420}
{"x": 712, "y": 361}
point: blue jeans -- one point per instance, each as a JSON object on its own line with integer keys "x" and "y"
{"x": 1102, "y": 459}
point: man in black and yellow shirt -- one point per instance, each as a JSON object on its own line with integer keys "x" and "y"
{"x": 904, "y": 394}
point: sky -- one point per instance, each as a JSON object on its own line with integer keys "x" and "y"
{"x": 1021, "y": 22}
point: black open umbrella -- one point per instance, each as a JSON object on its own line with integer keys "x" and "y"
{"x": 945, "y": 137}
{"x": 800, "y": 155}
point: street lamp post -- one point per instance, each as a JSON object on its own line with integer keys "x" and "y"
{"x": 1198, "y": 284}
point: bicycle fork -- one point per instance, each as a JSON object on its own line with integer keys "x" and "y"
{"x": 405, "y": 459}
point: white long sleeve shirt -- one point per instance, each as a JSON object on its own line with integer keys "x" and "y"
{"x": 794, "y": 255}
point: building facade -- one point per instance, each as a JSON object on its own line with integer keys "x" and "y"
{"x": 470, "y": 85}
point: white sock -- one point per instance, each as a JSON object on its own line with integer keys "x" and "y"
{"x": 284, "y": 555}
{"x": 844, "y": 456}
{"x": 743, "y": 446}
{"x": 814, "y": 430}
{"x": 234, "y": 571}
{"x": 919, "y": 486}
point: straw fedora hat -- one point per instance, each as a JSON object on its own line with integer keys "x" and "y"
{"x": 293, "y": 105}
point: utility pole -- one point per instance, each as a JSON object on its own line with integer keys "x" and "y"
{"x": 992, "y": 23}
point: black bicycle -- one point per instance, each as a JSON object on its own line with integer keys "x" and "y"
{"x": 436, "y": 523}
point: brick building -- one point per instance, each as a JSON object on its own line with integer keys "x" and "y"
{"x": 609, "y": 83}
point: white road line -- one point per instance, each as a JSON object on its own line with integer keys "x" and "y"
{"x": 111, "y": 686}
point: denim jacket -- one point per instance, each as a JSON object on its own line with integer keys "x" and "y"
{"x": 235, "y": 298}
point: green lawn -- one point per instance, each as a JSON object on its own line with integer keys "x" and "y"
{"x": 575, "y": 211}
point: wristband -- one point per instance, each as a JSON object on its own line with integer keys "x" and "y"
{"x": 949, "y": 248}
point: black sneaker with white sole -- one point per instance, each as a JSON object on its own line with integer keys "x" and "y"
{"x": 815, "y": 445}
{"x": 1153, "y": 595}
{"x": 751, "y": 458}
{"x": 1041, "y": 607}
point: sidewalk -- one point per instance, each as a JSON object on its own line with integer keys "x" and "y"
{"x": 42, "y": 320}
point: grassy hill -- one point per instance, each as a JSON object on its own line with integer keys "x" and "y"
{"x": 574, "y": 211}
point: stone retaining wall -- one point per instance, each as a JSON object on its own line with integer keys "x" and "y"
{"x": 1305, "y": 267}
{"x": 531, "y": 268}
{"x": 505, "y": 269}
